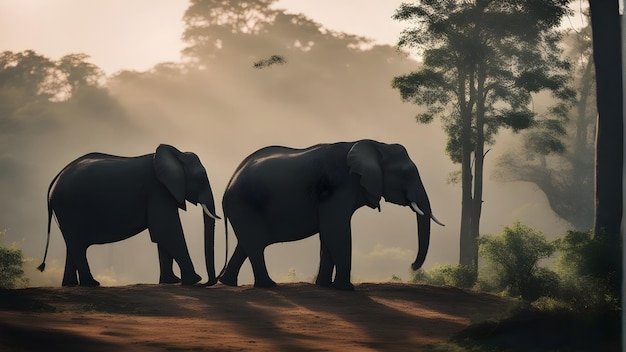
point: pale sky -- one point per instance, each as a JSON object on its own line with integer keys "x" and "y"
{"x": 137, "y": 34}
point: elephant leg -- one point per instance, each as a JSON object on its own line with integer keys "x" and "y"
{"x": 166, "y": 230}
{"x": 252, "y": 236}
{"x": 181, "y": 255}
{"x": 325, "y": 272}
{"x": 70, "y": 277}
{"x": 232, "y": 268}
{"x": 259, "y": 268}
{"x": 335, "y": 234}
{"x": 78, "y": 256}
{"x": 166, "y": 263}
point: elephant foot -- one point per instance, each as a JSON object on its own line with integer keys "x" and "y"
{"x": 324, "y": 283}
{"x": 342, "y": 286}
{"x": 169, "y": 279}
{"x": 228, "y": 281}
{"x": 211, "y": 282}
{"x": 264, "y": 284}
{"x": 69, "y": 283}
{"x": 89, "y": 283}
{"x": 191, "y": 280}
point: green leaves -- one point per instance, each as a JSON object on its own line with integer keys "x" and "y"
{"x": 424, "y": 87}
{"x": 481, "y": 62}
{"x": 11, "y": 272}
{"x": 516, "y": 119}
{"x": 515, "y": 255}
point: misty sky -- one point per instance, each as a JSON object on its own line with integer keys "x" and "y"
{"x": 137, "y": 34}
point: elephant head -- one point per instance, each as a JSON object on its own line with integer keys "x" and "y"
{"x": 186, "y": 179}
{"x": 387, "y": 171}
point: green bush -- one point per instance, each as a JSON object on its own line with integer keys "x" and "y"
{"x": 587, "y": 276}
{"x": 589, "y": 271}
{"x": 450, "y": 275}
{"x": 513, "y": 258}
{"x": 11, "y": 272}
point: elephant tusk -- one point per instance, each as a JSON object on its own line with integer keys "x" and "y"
{"x": 416, "y": 208}
{"x": 420, "y": 212}
{"x": 208, "y": 213}
{"x": 432, "y": 216}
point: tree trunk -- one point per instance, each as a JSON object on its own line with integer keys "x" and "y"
{"x": 466, "y": 243}
{"x": 479, "y": 157}
{"x": 476, "y": 205}
{"x": 466, "y": 249}
{"x": 607, "y": 56}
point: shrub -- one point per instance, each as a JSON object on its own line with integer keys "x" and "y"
{"x": 513, "y": 258}
{"x": 11, "y": 272}
{"x": 587, "y": 270}
{"x": 450, "y": 275}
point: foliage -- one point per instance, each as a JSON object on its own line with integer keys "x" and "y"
{"x": 11, "y": 261}
{"x": 559, "y": 159}
{"x": 482, "y": 61}
{"x": 213, "y": 27}
{"x": 446, "y": 275}
{"x": 227, "y": 34}
{"x": 514, "y": 257}
{"x": 35, "y": 90}
{"x": 584, "y": 265}
{"x": 582, "y": 313}
{"x": 512, "y": 267}
{"x": 42, "y": 79}
{"x": 507, "y": 47}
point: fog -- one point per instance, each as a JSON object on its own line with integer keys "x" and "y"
{"x": 224, "y": 110}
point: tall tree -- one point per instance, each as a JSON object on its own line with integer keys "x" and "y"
{"x": 607, "y": 53}
{"x": 482, "y": 60}
{"x": 561, "y": 161}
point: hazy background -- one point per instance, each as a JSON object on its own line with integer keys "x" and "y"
{"x": 223, "y": 114}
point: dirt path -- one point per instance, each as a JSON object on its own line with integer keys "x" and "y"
{"x": 291, "y": 317}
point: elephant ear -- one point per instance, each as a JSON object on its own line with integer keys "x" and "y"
{"x": 364, "y": 159}
{"x": 170, "y": 171}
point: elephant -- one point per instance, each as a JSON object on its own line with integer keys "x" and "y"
{"x": 281, "y": 194}
{"x": 101, "y": 198}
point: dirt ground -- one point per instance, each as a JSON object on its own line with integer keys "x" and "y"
{"x": 290, "y": 317}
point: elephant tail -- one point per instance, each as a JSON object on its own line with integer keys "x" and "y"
{"x": 226, "y": 240}
{"x": 42, "y": 266}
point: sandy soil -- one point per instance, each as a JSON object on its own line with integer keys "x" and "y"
{"x": 290, "y": 317}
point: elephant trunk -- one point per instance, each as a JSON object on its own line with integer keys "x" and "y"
{"x": 423, "y": 237}
{"x": 209, "y": 244}
{"x": 208, "y": 212}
